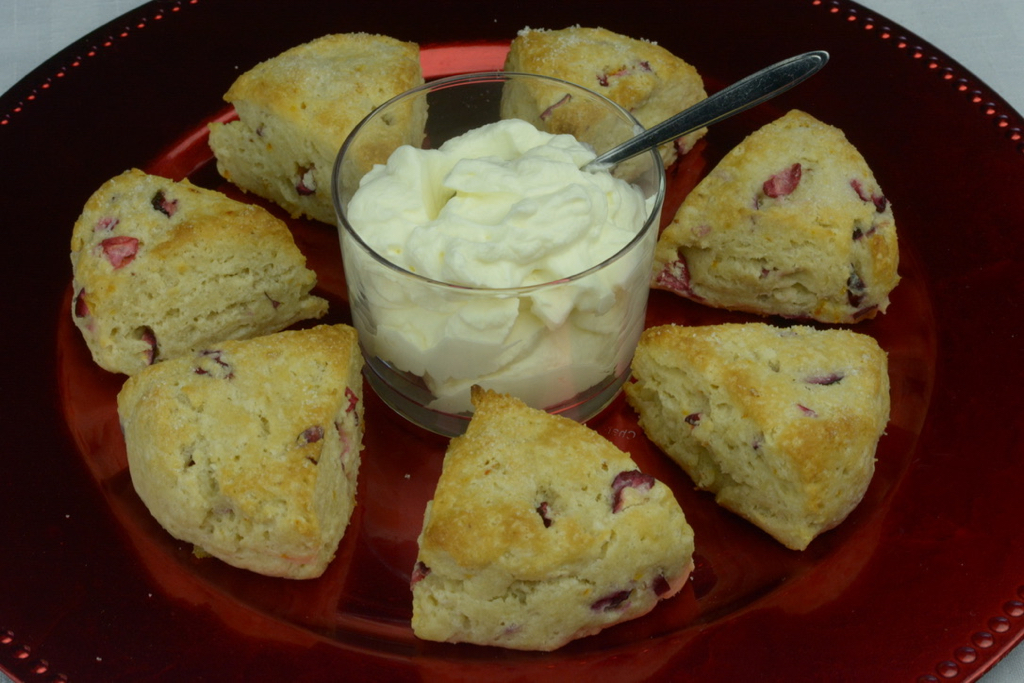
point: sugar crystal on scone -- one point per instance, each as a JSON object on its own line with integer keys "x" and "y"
{"x": 250, "y": 450}
{"x": 162, "y": 269}
{"x": 792, "y": 223}
{"x": 541, "y": 531}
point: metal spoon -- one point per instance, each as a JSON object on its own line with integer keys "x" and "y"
{"x": 740, "y": 96}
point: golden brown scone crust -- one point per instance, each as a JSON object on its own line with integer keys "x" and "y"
{"x": 164, "y": 268}
{"x": 780, "y": 423}
{"x": 791, "y": 222}
{"x": 250, "y": 449}
{"x": 523, "y": 541}
{"x": 644, "y": 78}
{"x": 296, "y": 110}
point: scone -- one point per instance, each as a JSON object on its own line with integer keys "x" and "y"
{"x": 295, "y": 111}
{"x": 642, "y": 77}
{"x": 792, "y": 223}
{"x": 541, "y": 531}
{"x": 781, "y": 424}
{"x": 250, "y": 449}
{"x": 164, "y": 268}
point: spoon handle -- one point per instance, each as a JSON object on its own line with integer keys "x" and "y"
{"x": 740, "y": 96}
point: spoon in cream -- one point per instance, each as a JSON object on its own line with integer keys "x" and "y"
{"x": 753, "y": 90}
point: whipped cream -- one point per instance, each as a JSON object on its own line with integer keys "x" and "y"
{"x": 500, "y": 208}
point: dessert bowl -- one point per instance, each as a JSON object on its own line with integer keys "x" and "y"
{"x": 532, "y": 299}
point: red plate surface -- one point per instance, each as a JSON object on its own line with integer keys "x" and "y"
{"x": 925, "y": 580}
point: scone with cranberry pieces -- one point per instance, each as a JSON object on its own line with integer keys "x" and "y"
{"x": 541, "y": 531}
{"x": 162, "y": 269}
{"x": 250, "y": 450}
{"x": 790, "y": 223}
{"x": 781, "y": 424}
{"x": 296, "y": 109}
{"x": 642, "y": 77}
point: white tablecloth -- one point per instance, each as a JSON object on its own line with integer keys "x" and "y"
{"x": 986, "y": 36}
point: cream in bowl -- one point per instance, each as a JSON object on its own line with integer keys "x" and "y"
{"x": 486, "y": 256}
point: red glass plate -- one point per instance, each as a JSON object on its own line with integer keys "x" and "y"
{"x": 924, "y": 581}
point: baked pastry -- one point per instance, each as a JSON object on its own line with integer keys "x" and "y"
{"x": 164, "y": 268}
{"x": 791, "y": 222}
{"x": 781, "y": 424}
{"x": 250, "y": 449}
{"x": 642, "y": 77}
{"x": 295, "y": 111}
{"x": 541, "y": 531}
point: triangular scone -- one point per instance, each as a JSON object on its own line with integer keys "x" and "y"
{"x": 781, "y": 424}
{"x": 296, "y": 110}
{"x": 250, "y": 449}
{"x": 542, "y": 531}
{"x": 642, "y": 77}
{"x": 163, "y": 269}
{"x": 791, "y": 222}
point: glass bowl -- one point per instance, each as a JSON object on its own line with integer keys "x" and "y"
{"x": 562, "y": 344}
